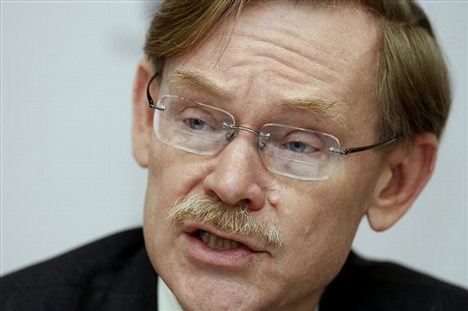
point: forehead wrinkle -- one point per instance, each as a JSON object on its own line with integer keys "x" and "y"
{"x": 187, "y": 77}
{"x": 302, "y": 55}
{"x": 328, "y": 110}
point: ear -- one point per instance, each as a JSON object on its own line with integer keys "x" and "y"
{"x": 406, "y": 171}
{"x": 142, "y": 129}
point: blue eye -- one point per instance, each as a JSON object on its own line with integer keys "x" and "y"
{"x": 297, "y": 146}
{"x": 196, "y": 124}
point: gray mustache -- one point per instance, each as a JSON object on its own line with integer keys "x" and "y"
{"x": 232, "y": 219}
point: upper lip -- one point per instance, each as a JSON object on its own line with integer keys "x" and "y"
{"x": 191, "y": 228}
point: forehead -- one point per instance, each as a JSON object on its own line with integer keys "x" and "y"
{"x": 278, "y": 52}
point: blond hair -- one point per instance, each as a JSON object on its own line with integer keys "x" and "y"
{"x": 412, "y": 91}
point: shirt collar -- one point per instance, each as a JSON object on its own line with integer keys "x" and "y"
{"x": 166, "y": 299}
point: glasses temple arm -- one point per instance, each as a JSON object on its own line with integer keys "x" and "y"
{"x": 148, "y": 94}
{"x": 364, "y": 148}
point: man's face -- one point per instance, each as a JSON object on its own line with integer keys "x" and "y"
{"x": 276, "y": 53}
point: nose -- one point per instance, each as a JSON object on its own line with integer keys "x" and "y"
{"x": 238, "y": 175}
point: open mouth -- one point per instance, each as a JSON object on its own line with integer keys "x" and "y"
{"x": 215, "y": 242}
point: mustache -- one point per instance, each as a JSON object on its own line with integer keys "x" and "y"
{"x": 232, "y": 219}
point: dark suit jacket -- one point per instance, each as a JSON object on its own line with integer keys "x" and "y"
{"x": 115, "y": 274}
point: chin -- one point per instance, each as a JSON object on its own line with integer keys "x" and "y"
{"x": 216, "y": 293}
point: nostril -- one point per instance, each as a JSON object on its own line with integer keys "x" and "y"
{"x": 244, "y": 204}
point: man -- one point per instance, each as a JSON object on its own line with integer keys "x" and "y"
{"x": 269, "y": 130}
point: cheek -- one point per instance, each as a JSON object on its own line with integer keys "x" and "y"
{"x": 167, "y": 178}
{"x": 319, "y": 226}
{"x": 162, "y": 177}
{"x": 325, "y": 220}
{"x": 168, "y": 181}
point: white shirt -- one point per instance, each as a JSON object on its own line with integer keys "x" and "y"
{"x": 166, "y": 299}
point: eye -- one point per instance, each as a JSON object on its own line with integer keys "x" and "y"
{"x": 299, "y": 147}
{"x": 198, "y": 120}
{"x": 196, "y": 124}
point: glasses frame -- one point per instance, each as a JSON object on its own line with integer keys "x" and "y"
{"x": 339, "y": 152}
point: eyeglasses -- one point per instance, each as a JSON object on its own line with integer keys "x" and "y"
{"x": 285, "y": 150}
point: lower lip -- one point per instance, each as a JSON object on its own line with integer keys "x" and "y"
{"x": 219, "y": 257}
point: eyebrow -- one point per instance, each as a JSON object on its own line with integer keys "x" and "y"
{"x": 323, "y": 108}
{"x": 186, "y": 77}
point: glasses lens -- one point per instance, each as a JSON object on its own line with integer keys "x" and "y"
{"x": 298, "y": 153}
{"x": 191, "y": 126}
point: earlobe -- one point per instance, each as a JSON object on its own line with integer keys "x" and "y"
{"x": 406, "y": 171}
{"x": 142, "y": 128}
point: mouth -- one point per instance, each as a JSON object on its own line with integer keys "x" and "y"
{"x": 216, "y": 242}
{"x": 208, "y": 245}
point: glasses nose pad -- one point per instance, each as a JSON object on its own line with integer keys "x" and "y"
{"x": 260, "y": 144}
{"x": 261, "y": 139}
{"x": 230, "y": 131}
{"x": 230, "y": 135}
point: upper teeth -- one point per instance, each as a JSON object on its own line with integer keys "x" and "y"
{"x": 216, "y": 242}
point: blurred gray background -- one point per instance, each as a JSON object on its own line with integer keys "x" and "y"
{"x": 67, "y": 172}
